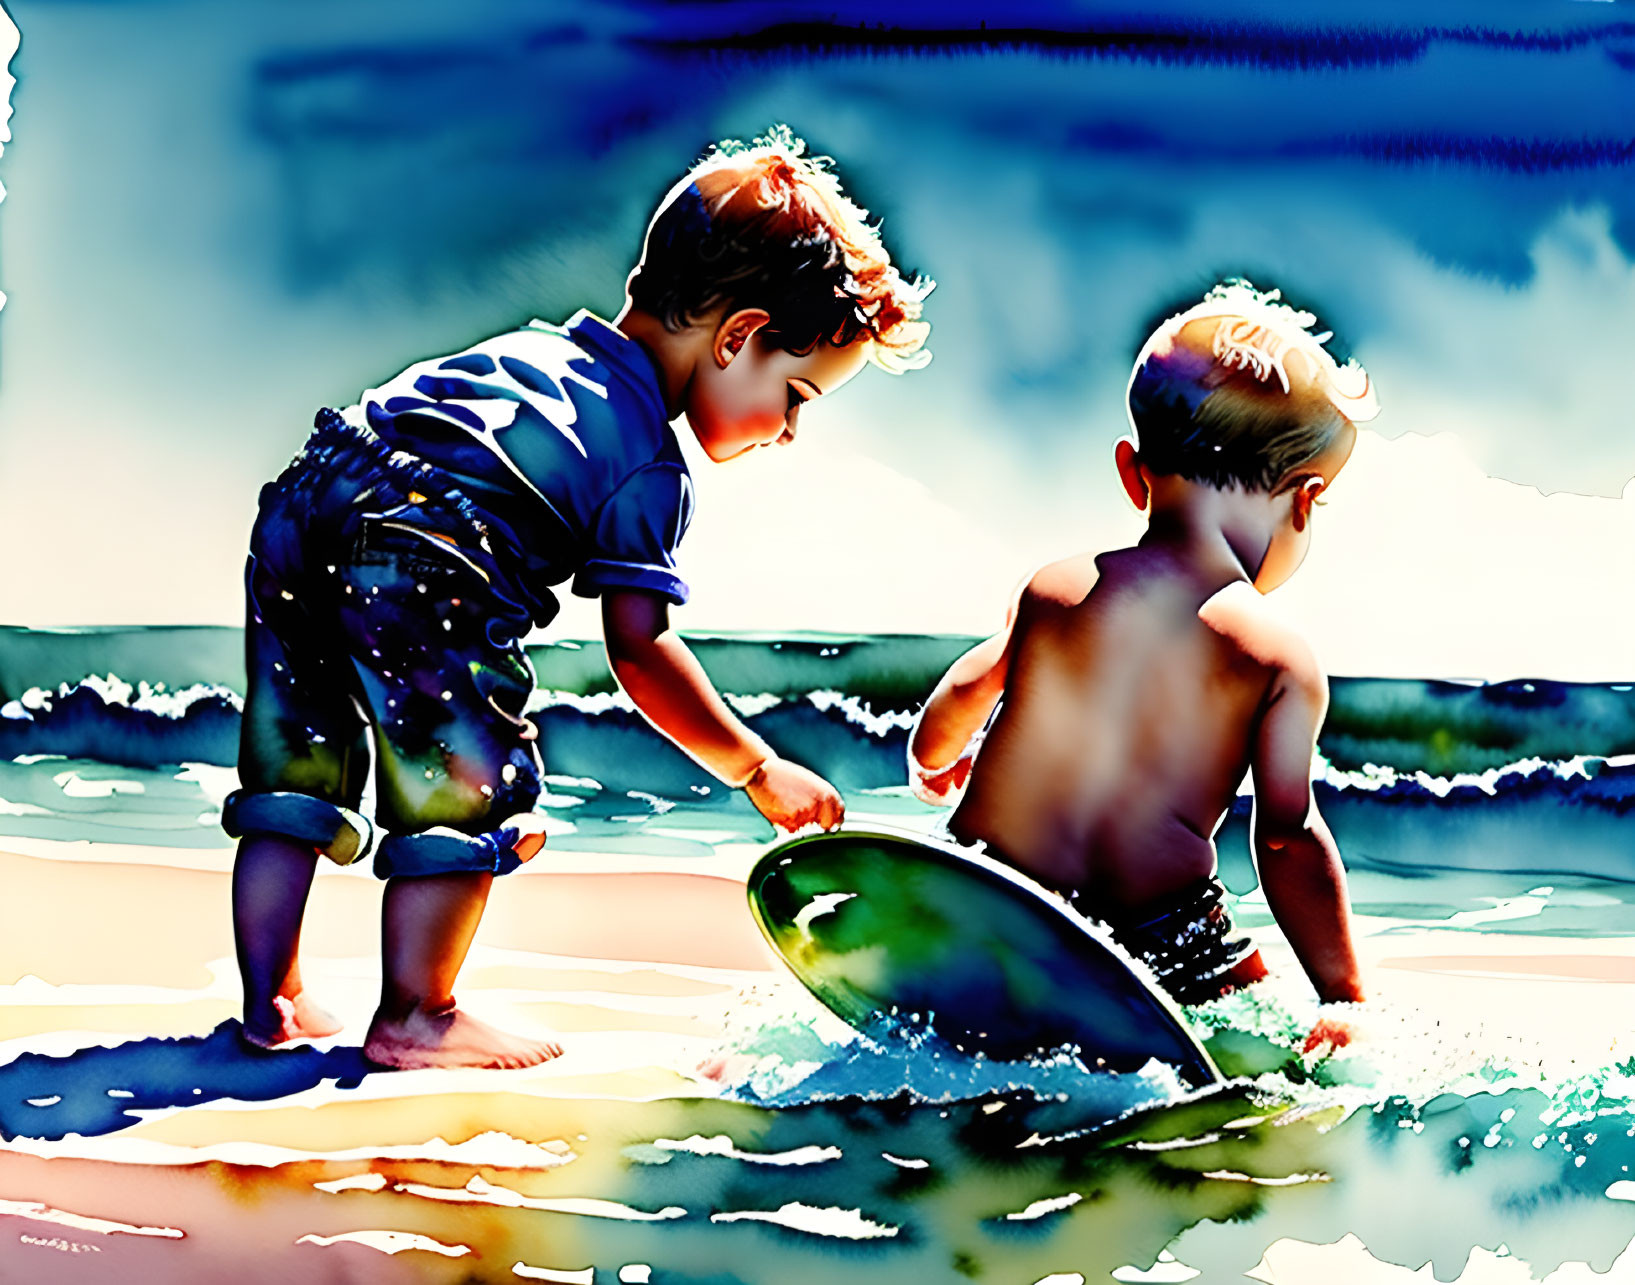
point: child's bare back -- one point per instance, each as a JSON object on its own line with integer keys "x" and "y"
{"x": 1131, "y": 703}
{"x": 1136, "y": 688}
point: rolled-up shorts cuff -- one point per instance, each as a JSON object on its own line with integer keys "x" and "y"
{"x": 441, "y": 851}
{"x": 338, "y": 833}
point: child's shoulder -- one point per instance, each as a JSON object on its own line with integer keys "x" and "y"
{"x": 1242, "y": 616}
{"x": 585, "y": 377}
{"x": 1064, "y": 583}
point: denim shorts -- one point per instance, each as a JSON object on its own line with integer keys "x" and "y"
{"x": 383, "y": 633}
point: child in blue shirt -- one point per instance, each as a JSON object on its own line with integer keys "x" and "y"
{"x": 398, "y": 562}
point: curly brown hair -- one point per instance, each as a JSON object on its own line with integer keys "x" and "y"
{"x": 764, "y": 225}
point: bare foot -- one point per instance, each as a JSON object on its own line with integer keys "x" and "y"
{"x": 451, "y": 1038}
{"x": 291, "y": 1017}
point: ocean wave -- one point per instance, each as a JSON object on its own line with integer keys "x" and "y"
{"x": 1376, "y": 778}
{"x": 783, "y": 1054}
{"x": 115, "y": 721}
{"x": 843, "y": 705}
{"x": 1444, "y": 729}
{"x": 855, "y": 740}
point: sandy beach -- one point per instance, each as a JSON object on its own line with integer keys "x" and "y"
{"x": 186, "y": 1158}
{"x": 633, "y": 967}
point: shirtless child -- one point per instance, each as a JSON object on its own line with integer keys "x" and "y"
{"x": 1139, "y": 685}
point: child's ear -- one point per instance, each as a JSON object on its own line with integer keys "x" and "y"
{"x": 735, "y": 331}
{"x": 1129, "y": 473}
{"x": 1305, "y": 495}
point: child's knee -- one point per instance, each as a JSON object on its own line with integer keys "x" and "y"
{"x": 442, "y": 850}
{"x": 337, "y": 832}
{"x": 470, "y": 818}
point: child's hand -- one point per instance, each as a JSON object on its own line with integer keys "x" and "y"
{"x": 1337, "y": 1026}
{"x": 941, "y": 788}
{"x": 1328, "y": 1033}
{"x": 790, "y": 797}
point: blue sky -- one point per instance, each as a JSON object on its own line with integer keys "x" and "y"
{"x": 219, "y": 217}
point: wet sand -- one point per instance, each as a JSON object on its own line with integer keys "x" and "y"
{"x": 353, "y": 1176}
{"x": 635, "y": 968}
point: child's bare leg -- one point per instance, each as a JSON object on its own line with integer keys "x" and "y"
{"x": 429, "y": 921}
{"x": 271, "y": 879}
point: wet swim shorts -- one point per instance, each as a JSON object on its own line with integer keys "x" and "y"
{"x": 1190, "y": 944}
{"x": 382, "y": 628}
{"x": 1188, "y": 940}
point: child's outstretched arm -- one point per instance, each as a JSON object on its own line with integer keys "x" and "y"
{"x": 670, "y": 687}
{"x": 943, "y": 744}
{"x": 1298, "y": 861}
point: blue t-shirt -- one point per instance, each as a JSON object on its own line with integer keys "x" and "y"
{"x": 559, "y": 437}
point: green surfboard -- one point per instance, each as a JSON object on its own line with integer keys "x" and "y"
{"x": 877, "y": 924}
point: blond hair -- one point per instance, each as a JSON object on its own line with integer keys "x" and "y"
{"x": 1239, "y": 390}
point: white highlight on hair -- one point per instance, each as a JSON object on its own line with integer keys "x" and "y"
{"x": 1242, "y": 344}
{"x": 1259, "y": 333}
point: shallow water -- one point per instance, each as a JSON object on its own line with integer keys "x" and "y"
{"x": 712, "y": 1124}
{"x": 830, "y": 1156}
